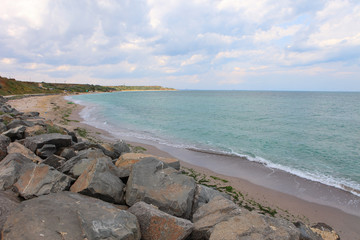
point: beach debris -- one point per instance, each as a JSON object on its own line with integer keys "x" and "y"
{"x": 155, "y": 224}
{"x": 76, "y": 216}
{"x": 154, "y": 182}
{"x": 100, "y": 180}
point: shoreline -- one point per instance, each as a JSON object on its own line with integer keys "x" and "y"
{"x": 309, "y": 212}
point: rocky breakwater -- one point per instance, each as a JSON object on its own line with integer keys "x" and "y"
{"x": 54, "y": 185}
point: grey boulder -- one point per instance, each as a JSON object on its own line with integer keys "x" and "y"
{"x": 204, "y": 194}
{"x": 154, "y": 182}
{"x": 16, "y": 147}
{"x": 15, "y": 133}
{"x": 56, "y": 139}
{"x": 4, "y": 143}
{"x": 69, "y": 215}
{"x": 100, "y": 180}
{"x": 155, "y": 224}
{"x": 219, "y": 209}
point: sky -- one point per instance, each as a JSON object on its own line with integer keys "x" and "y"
{"x": 197, "y": 44}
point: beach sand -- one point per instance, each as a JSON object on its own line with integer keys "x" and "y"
{"x": 54, "y": 107}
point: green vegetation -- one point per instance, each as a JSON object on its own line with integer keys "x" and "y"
{"x": 137, "y": 149}
{"x": 239, "y": 198}
{"x": 10, "y": 86}
{"x": 82, "y": 132}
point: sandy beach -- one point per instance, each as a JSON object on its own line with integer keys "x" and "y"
{"x": 66, "y": 114}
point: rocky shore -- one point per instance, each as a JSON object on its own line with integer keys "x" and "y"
{"x": 56, "y": 185}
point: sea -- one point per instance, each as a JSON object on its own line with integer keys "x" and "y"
{"x": 312, "y": 135}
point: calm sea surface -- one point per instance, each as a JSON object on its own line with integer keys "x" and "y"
{"x": 315, "y": 135}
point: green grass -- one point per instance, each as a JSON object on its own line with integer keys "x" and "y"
{"x": 82, "y": 132}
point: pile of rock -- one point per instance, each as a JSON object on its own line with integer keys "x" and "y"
{"x": 56, "y": 186}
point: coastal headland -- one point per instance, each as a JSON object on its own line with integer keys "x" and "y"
{"x": 256, "y": 202}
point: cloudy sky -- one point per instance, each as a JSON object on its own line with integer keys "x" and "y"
{"x": 196, "y": 44}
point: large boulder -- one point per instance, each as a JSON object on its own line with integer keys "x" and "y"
{"x": 219, "y": 209}
{"x": 11, "y": 169}
{"x": 30, "y": 179}
{"x": 204, "y": 194}
{"x": 15, "y": 133}
{"x": 4, "y": 143}
{"x": 69, "y": 215}
{"x": 68, "y": 153}
{"x": 56, "y": 139}
{"x": 325, "y": 231}
{"x": 46, "y": 151}
{"x": 54, "y": 161}
{"x": 306, "y": 233}
{"x": 154, "y": 182}
{"x": 16, "y": 147}
{"x": 7, "y": 204}
{"x": 127, "y": 160}
{"x": 77, "y": 165}
{"x": 3, "y": 127}
{"x": 100, "y": 180}
{"x": 37, "y": 180}
{"x": 255, "y": 226}
{"x": 155, "y": 224}
{"x": 17, "y": 123}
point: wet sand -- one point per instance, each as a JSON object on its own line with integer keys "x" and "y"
{"x": 293, "y": 197}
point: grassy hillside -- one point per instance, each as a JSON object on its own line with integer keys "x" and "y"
{"x": 14, "y": 87}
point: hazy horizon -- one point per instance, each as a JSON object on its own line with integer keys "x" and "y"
{"x": 198, "y": 45}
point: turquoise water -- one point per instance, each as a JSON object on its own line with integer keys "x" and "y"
{"x": 315, "y": 135}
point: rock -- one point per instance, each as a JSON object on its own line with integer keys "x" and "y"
{"x": 4, "y": 143}
{"x": 46, "y": 151}
{"x": 325, "y": 231}
{"x": 72, "y": 216}
{"x": 204, "y": 195}
{"x": 30, "y": 179}
{"x": 15, "y": 133}
{"x": 81, "y": 145}
{"x": 254, "y": 226}
{"x": 219, "y": 209}
{"x": 154, "y": 182}
{"x": 37, "y": 180}
{"x": 6, "y": 118}
{"x": 76, "y": 165}
{"x": 34, "y": 131}
{"x": 54, "y": 161}
{"x": 121, "y": 147}
{"x": 155, "y": 224}
{"x": 3, "y": 127}
{"x": 68, "y": 153}
{"x": 56, "y": 139}
{"x": 127, "y": 160}
{"x": 100, "y": 180}
{"x": 17, "y": 123}
{"x": 7, "y": 205}
{"x": 11, "y": 169}
{"x": 16, "y": 147}
{"x": 31, "y": 114}
{"x": 306, "y": 233}
{"x": 108, "y": 150}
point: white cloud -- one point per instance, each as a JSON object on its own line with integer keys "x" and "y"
{"x": 276, "y": 32}
{"x": 193, "y": 59}
{"x": 8, "y": 61}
